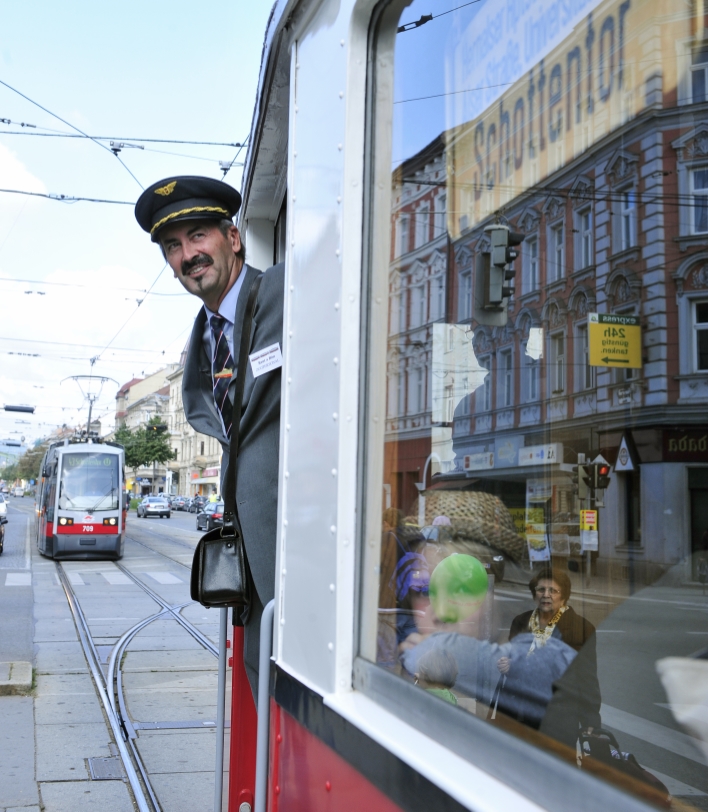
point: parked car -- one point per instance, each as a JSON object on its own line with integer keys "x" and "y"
{"x": 211, "y": 516}
{"x": 179, "y": 503}
{"x": 18, "y": 491}
{"x": 4, "y": 489}
{"x": 153, "y": 506}
{"x": 3, "y": 507}
{"x": 197, "y": 504}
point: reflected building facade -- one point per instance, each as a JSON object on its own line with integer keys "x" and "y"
{"x": 598, "y": 154}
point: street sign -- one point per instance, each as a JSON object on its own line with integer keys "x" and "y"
{"x": 479, "y": 462}
{"x": 614, "y": 341}
{"x": 541, "y": 454}
{"x": 624, "y": 458}
{"x": 588, "y": 520}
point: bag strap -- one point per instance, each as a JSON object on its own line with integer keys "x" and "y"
{"x": 230, "y": 480}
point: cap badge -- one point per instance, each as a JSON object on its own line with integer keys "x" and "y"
{"x": 166, "y": 190}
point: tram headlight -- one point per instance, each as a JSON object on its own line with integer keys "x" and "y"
{"x": 66, "y": 521}
{"x": 112, "y": 521}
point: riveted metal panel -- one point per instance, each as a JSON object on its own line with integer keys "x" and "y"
{"x": 308, "y": 561}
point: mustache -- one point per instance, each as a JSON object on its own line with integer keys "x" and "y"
{"x": 200, "y": 259}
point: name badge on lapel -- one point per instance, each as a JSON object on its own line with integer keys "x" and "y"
{"x": 265, "y": 360}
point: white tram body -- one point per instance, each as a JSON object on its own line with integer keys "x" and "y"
{"x": 386, "y": 138}
{"x": 81, "y": 500}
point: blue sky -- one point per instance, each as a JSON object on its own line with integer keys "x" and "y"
{"x": 155, "y": 69}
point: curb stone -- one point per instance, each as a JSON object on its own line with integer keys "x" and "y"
{"x": 15, "y": 678}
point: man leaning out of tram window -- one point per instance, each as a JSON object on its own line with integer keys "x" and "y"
{"x": 191, "y": 219}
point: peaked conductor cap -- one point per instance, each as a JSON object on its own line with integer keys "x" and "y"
{"x": 185, "y": 197}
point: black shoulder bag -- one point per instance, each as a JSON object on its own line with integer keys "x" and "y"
{"x": 220, "y": 575}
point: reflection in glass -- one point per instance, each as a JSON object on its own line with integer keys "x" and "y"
{"x": 512, "y": 577}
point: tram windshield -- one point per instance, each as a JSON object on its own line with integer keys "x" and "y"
{"x": 537, "y": 432}
{"x": 89, "y": 482}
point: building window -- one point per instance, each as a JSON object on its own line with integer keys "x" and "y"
{"x": 437, "y": 304}
{"x": 419, "y": 390}
{"x": 584, "y": 235}
{"x": 699, "y": 189}
{"x": 440, "y": 215}
{"x": 448, "y": 404}
{"x": 557, "y": 362}
{"x": 530, "y": 266}
{"x": 201, "y": 452}
{"x": 628, "y": 218}
{"x": 419, "y": 306}
{"x": 556, "y": 254}
{"x": 530, "y": 372}
{"x": 401, "y": 311}
{"x": 401, "y": 393}
{"x": 506, "y": 379}
{"x": 484, "y": 392}
{"x": 700, "y": 327}
{"x": 422, "y": 227}
{"x": 585, "y": 374}
{"x": 403, "y": 235}
{"x": 465, "y": 307}
{"x": 698, "y": 75}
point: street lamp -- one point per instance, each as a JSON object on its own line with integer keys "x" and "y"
{"x": 25, "y": 409}
{"x": 421, "y": 487}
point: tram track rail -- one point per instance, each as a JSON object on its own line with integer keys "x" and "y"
{"x": 136, "y": 773}
{"x": 110, "y": 686}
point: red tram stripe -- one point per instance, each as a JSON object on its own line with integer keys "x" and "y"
{"x": 77, "y": 529}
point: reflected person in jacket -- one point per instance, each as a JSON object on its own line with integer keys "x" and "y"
{"x": 554, "y": 618}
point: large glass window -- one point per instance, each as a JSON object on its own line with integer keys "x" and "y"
{"x": 543, "y": 573}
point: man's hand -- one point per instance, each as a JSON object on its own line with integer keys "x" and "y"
{"x": 503, "y": 664}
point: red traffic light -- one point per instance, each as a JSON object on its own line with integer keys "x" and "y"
{"x": 603, "y": 469}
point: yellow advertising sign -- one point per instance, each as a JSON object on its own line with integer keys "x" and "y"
{"x": 588, "y": 520}
{"x": 614, "y": 341}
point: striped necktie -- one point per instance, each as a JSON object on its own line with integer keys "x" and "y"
{"x": 222, "y": 369}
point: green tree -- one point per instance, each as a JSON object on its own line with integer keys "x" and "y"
{"x": 30, "y": 462}
{"x": 145, "y": 445}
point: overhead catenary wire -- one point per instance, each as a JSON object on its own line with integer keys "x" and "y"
{"x": 67, "y": 198}
{"x": 98, "y": 288}
{"x": 73, "y": 127}
{"x": 50, "y": 133}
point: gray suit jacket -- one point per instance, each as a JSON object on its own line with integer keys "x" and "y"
{"x": 257, "y": 476}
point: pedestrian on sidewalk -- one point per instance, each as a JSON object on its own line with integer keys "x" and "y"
{"x": 190, "y": 217}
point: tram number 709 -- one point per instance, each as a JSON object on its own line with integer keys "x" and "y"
{"x": 87, "y": 528}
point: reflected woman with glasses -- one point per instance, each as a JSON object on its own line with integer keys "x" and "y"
{"x": 576, "y": 695}
{"x": 552, "y": 615}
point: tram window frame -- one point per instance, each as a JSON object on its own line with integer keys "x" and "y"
{"x": 525, "y": 764}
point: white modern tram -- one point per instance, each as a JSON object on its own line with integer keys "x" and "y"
{"x": 447, "y": 407}
{"x": 81, "y": 508}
